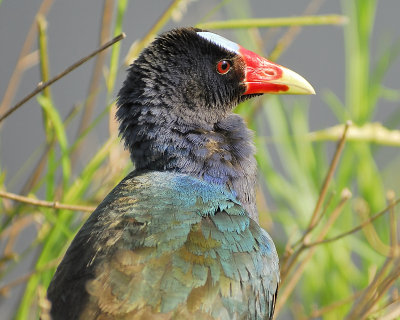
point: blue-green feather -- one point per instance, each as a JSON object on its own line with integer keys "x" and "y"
{"x": 182, "y": 246}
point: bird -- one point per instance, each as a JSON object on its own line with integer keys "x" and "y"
{"x": 178, "y": 237}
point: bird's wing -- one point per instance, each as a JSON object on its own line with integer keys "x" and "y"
{"x": 165, "y": 245}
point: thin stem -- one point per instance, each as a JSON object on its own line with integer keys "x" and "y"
{"x": 13, "y": 232}
{"x": 275, "y": 22}
{"x": 6, "y": 288}
{"x": 394, "y": 241}
{"x": 21, "y": 63}
{"x": 288, "y": 289}
{"x": 42, "y": 86}
{"x": 98, "y": 65}
{"x": 290, "y": 261}
{"x": 328, "y": 179}
{"x": 43, "y": 203}
{"x": 318, "y": 313}
{"x": 137, "y": 47}
{"x": 359, "y": 227}
{"x": 371, "y": 235}
{"x": 43, "y": 53}
{"x": 374, "y": 133}
{"x": 285, "y": 41}
{"x": 364, "y": 298}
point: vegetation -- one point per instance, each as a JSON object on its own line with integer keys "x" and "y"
{"x": 337, "y": 225}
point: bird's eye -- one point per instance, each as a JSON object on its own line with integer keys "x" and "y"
{"x": 223, "y": 66}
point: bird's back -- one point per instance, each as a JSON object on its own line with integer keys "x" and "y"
{"x": 167, "y": 246}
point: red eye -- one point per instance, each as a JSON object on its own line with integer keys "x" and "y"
{"x": 223, "y": 66}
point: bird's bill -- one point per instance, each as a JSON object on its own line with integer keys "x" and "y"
{"x": 264, "y": 76}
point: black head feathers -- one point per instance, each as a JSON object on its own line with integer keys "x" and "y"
{"x": 178, "y": 72}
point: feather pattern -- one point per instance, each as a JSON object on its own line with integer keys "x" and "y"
{"x": 186, "y": 250}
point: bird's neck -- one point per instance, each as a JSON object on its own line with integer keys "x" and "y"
{"x": 220, "y": 154}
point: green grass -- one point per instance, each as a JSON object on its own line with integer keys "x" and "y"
{"x": 352, "y": 277}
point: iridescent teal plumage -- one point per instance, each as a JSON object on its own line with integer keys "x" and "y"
{"x": 175, "y": 247}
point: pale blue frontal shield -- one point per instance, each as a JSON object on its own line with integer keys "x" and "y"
{"x": 221, "y": 41}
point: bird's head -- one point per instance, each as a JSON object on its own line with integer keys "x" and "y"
{"x": 198, "y": 75}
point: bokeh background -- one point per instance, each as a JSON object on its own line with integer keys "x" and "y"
{"x": 48, "y": 152}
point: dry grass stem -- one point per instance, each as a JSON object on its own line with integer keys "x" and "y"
{"x": 43, "y": 203}
{"x": 22, "y": 63}
{"x": 394, "y": 240}
{"x": 293, "y": 280}
{"x": 289, "y": 260}
{"x": 371, "y": 235}
{"x": 320, "y": 312}
{"x": 13, "y": 231}
{"x": 359, "y": 227}
{"x": 42, "y": 86}
{"x": 286, "y": 40}
{"x": 98, "y": 66}
{"x": 367, "y": 301}
{"x": 392, "y": 313}
{"x": 38, "y": 169}
{"x": 328, "y": 179}
{"x": 6, "y": 288}
{"x": 138, "y": 46}
{"x": 44, "y": 304}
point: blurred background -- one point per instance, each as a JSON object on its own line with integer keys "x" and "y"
{"x": 62, "y": 146}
